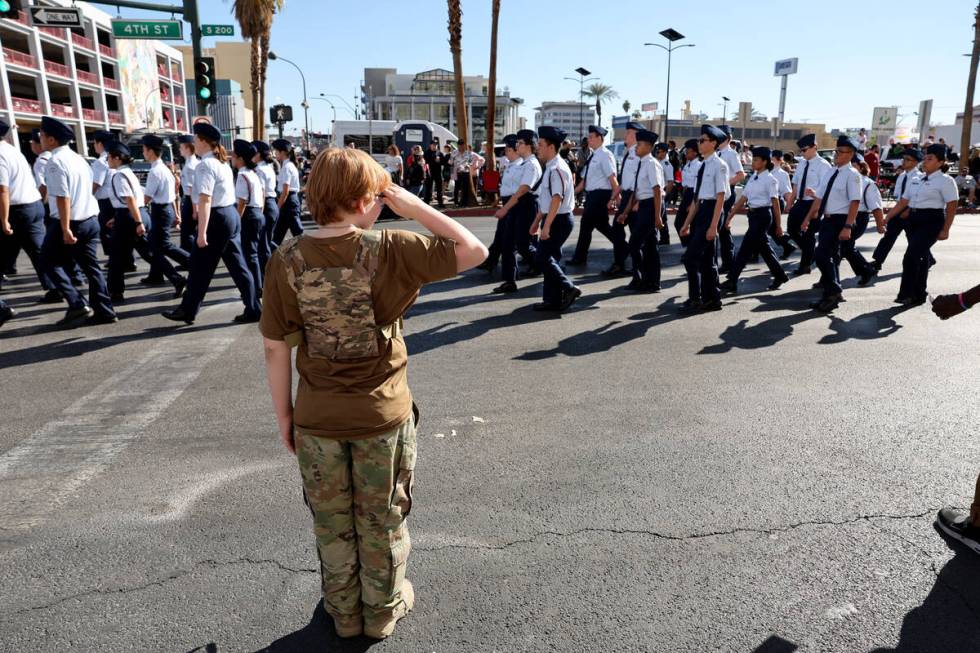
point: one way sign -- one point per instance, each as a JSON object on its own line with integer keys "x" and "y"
{"x": 55, "y": 16}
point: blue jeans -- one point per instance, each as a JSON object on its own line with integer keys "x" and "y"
{"x": 58, "y": 256}
{"x": 549, "y": 256}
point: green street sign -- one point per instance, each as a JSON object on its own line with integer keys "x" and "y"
{"x": 217, "y": 30}
{"x": 171, "y": 30}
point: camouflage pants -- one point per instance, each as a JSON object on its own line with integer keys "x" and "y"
{"x": 360, "y": 492}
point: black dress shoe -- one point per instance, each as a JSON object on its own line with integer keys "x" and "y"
{"x": 50, "y": 297}
{"x": 150, "y": 281}
{"x": 505, "y": 288}
{"x": 634, "y": 286}
{"x": 799, "y": 272}
{"x": 817, "y": 285}
{"x": 918, "y": 300}
{"x": 876, "y": 265}
{"x": 866, "y": 278}
{"x": 614, "y": 270}
{"x": 777, "y": 283}
{"x": 788, "y": 250}
{"x": 6, "y": 313}
{"x": 78, "y": 283}
{"x": 248, "y": 318}
{"x": 179, "y": 286}
{"x": 569, "y": 296}
{"x": 712, "y": 306}
{"x": 650, "y": 287}
{"x": 131, "y": 267}
{"x": 117, "y": 298}
{"x": 691, "y": 306}
{"x": 730, "y": 285}
{"x": 532, "y": 272}
{"x": 178, "y": 315}
{"x": 827, "y": 304}
{"x": 101, "y": 318}
{"x": 575, "y": 261}
{"x": 901, "y": 300}
{"x": 75, "y": 317}
{"x": 545, "y": 306}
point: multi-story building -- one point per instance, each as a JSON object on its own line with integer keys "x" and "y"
{"x": 87, "y": 78}
{"x": 431, "y": 95}
{"x": 573, "y": 118}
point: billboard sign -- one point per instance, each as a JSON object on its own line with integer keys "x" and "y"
{"x": 649, "y": 107}
{"x": 884, "y": 119}
{"x": 787, "y": 66}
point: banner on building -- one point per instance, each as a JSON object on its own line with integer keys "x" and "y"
{"x": 140, "y": 84}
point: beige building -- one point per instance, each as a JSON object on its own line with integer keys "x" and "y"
{"x": 232, "y": 59}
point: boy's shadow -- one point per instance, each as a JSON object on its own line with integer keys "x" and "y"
{"x": 318, "y": 635}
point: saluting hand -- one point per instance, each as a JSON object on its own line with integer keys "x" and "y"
{"x": 946, "y": 306}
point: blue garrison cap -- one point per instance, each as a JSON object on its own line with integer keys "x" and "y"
{"x": 36, "y": 135}
{"x": 726, "y": 130}
{"x": 914, "y": 153}
{"x": 261, "y": 147}
{"x": 243, "y": 149}
{"x": 938, "y": 150}
{"x": 210, "y": 132}
{"x": 282, "y": 144}
{"x": 152, "y": 141}
{"x": 691, "y": 144}
{"x": 186, "y": 139}
{"x": 510, "y": 140}
{"x": 104, "y": 137}
{"x": 808, "y": 140}
{"x": 119, "y": 149}
{"x": 715, "y": 133}
{"x": 554, "y": 135}
{"x": 57, "y": 129}
{"x": 661, "y": 146}
{"x": 646, "y": 136}
{"x": 4, "y": 128}
{"x": 857, "y": 158}
{"x": 634, "y": 125}
{"x": 762, "y": 152}
{"x": 777, "y": 154}
{"x": 527, "y": 135}
{"x": 595, "y": 129}
{"x": 846, "y": 141}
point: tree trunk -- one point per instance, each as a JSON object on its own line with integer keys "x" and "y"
{"x": 256, "y": 67}
{"x": 456, "y": 47}
{"x": 971, "y": 85}
{"x": 491, "y": 115}
{"x": 263, "y": 67}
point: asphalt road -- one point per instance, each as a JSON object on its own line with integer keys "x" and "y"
{"x": 620, "y": 478}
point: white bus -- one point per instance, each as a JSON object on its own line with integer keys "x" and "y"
{"x": 374, "y": 136}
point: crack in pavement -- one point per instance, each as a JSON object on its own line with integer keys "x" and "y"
{"x": 209, "y": 563}
{"x": 677, "y": 538}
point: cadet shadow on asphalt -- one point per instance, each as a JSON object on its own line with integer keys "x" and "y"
{"x": 949, "y": 617}
{"x": 318, "y": 635}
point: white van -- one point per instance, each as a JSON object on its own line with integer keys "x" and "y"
{"x": 375, "y": 136}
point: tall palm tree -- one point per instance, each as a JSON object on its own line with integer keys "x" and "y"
{"x": 626, "y": 106}
{"x": 456, "y": 47}
{"x": 971, "y": 85}
{"x": 491, "y": 115}
{"x": 255, "y": 19}
{"x": 602, "y": 94}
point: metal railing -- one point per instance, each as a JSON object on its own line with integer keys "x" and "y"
{"x": 63, "y": 110}
{"x": 19, "y": 58}
{"x": 87, "y": 77}
{"x": 26, "y": 105}
{"x": 57, "y": 69}
{"x": 83, "y": 41}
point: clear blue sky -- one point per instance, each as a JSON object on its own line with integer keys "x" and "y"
{"x": 854, "y": 55}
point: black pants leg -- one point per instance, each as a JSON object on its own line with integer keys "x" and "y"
{"x": 699, "y": 257}
{"x": 726, "y": 243}
{"x": 893, "y": 229}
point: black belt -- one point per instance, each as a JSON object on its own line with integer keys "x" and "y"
{"x": 599, "y": 190}
{"x": 760, "y": 208}
{"x": 161, "y": 203}
{"x": 707, "y": 201}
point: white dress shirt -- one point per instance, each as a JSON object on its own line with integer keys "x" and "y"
{"x": 124, "y": 184}
{"x": 187, "y": 176}
{"x": 715, "y": 178}
{"x": 846, "y": 189}
{"x": 40, "y": 163}
{"x": 649, "y": 174}
{"x": 248, "y": 187}
{"x": 211, "y": 177}
{"x": 870, "y": 195}
{"x": 557, "y": 181}
{"x": 730, "y": 157}
{"x": 101, "y": 175}
{"x": 268, "y": 176}
{"x": 904, "y": 181}
{"x": 601, "y": 166}
{"x": 530, "y": 171}
{"x": 288, "y": 174}
{"x": 782, "y": 178}
{"x": 16, "y": 176}
{"x": 760, "y": 189}
{"x": 160, "y": 184}
{"x": 68, "y": 175}
{"x": 689, "y": 173}
{"x": 933, "y": 191}
{"x": 510, "y": 179}
{"x": 628, "y": 173}
{"x": 817, "y": 170}
{"x": 668, "y": 169}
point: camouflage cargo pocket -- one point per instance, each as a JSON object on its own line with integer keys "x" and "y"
{"x": 401, "y": 496}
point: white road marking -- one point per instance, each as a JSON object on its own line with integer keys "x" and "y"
{"x": 841, "y": 612}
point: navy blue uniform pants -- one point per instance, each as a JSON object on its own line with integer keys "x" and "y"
{"x": 643, "y": 244}
{"x": 806, "y": 241}
{"x": 254, "y": 245}
{"x": 289, "y": 219}
{"x": 619, "y": 230}
{"x": 595, "y": 217}
{"x": 224, "y": 244}
{"x": 699, "y": 257}
{"x": 848, "y": 248}
{"x": 106, "y": 213}
{"x": 188, "y": 226}
{"x": 549, "y": 257}
{"x": 893, "y": 229}
{"x": 58, "y": 256}
{"x": 923, "y": 228}
{"x": 685, "y": 205}
{"x": 27, "y": 222}
{"x": 162, "y": 218}
{"x": 827, "y": 253}
{"x": 271, "y": 213}
{"x": 726, "y": 244}
{"x": 756, "y": 241}
{"x": 527, "y": 210}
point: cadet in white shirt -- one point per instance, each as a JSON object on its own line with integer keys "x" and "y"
{"x": 250, "y": 192}
{"x": 288, "y": 187}
{"x": 218, "y": 232}
{"x": 527, "y": 202}
{"x": 660, "y": 154}
{"x": 646, "y": 204}
{"x": 131, "y": 224}
{"x": 689, "y": 175}
{"x": 267, "y": 171}
{"x": 101, "y": 175}
{"x": 72, "y": 233}
{"x": 505, "y": 236}
{"x": 726, "y": 243}
{"x": 188, "y": 217}
{"x": 598, "y": 179}
{"x": 40, "y": 163}
{"x": 21, "y": 210}
{"x": 161, "y": 196}
{"x": 896, "y": 223}
{"x": 761, "y": 197}
{"x": 811, "y": 172}
{"x": 785, "y": 195}
{"x": 627, "y": 179}
{"x": 870, "y": 205}
{"x": 710, "y": 190}
{"x": 556, "y": 199}
{"x": 839, "y": 198}
{"x": 933, "y": 199}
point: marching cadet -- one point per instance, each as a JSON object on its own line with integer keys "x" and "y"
{"x": 627, "y": 179}
{"x": 785, "y": 194}
{"x": 645, "y": 208}
{"x": 527, "y": 206}
{"x": 933, "y": 199}
{"x": 710, "y": 190}
{"x": 188, "y": 212}
{"x": 834, "y": 217}
{"x": 101, "y": 174}
{"x": 725, "y": 241}
{"x": 870, "y": 205}
{"x": 72, "y": 231}
{"x": 218, "y": 232}
{"x": 689, "y": 175}
{"x": 896, "y": 222}
{"x": 288, "y": 188}
{"x": 810, "y": 174}
{"x": 51, "y": 295}
{"x": 761, "y": 196}
{"x": 130, "y": 225}
{"x": 250, "y": 193}
{"x": 505, "y": 235}
{"x": 601, "y": 192}
{"x": 161, "y": 196}
{"x": 660, "y": 154}
{"x": 21, "y": 211}
{"x": 556, "y": 199}
{"x": 267, "y": 172}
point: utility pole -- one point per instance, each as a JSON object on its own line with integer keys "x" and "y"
{"x": 971, "y": 85}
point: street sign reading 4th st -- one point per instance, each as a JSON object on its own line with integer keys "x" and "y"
{"x": 131, "y": 28}
{"x": 55, "y": 16}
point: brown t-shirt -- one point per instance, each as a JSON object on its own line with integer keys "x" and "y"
{"x": 365, "y": 397}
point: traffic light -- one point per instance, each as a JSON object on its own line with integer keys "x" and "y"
{"x": 204, "y": 79}
{"x": 10, "y": 9}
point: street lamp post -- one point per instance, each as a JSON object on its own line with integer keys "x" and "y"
{"x": 306, "y": 103}
{"x": 724, "y": 109}
{"x": 582, "y": 74}
{"x": 323, "y": 99}
{"x": 672, "y": 36}
{"x": 341, "y": 98}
